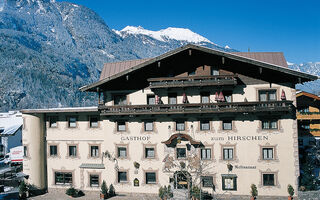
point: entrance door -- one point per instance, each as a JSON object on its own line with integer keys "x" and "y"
{"x": 181, "y": 180}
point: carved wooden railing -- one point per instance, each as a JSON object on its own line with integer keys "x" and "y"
{"x": 192, "y": 81}
{"x": 244, "y": 107}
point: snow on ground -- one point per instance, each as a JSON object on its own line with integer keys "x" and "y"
{"x": 181, "y": 34}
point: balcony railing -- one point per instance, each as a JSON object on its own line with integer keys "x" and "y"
{"x": 234, "y": 107}
{"x": 192, "y": 81}
{"x": 308, "y": 115}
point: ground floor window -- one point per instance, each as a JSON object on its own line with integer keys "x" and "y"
{"x": 94, "y": 180}
{"x": 151, "y": 178}
{"x": 122, "y": 177}
{"x": 268, "y": 179}
{"x": 63, "y": 178}
{"x": 229, "y": 182}
{"x": 207, "y": 181}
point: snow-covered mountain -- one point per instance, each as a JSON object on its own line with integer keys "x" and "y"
{"x": 165, "y": 35}
{"x": 310, "y": 68}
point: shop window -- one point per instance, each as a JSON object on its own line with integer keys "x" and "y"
{"x": 63, "y": 178}
{"x": 207, "y": 181}
{"x": 151, "y": 178}
{"x": 122, "y": 177}
{"x": 94, "y": 180}
{"x": 229, "y": 182}
{"x": 268, "y": 179}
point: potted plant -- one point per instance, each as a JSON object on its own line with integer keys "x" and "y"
{"x": 162, "y": 193}
{"x": 165, "y": 192}
{"x": 254, "y": 192}
{"x": 291, "y": 192}
{"x": 195, "y": 193}
{"x": 104, "y": 190}
{"x": 112, "y": 191}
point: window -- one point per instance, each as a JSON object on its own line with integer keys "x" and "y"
{"x": 207, "y": 181}
{"x": 268, "y": 179}
{"x": 94, "y": 151}
{"x": 122, "y": 177}
{"x": 227, "y": 125}
{"x": 151, "y": 99}
{"x": 206, "y": 154}
{"x": 73, "y": 151}
{"x": 204, "y": 125}
{"x": 227, "y": 153}
{"x": 181, "y": 153}
{"x": 121, "y": 126}
{"x": 53, "y": 150}
{"x": 63, "y": 178}
{"x": 214, "y": 71}
{"x": 94, "y": 180}
{"x": 303, "y": 110}
{"x": 72, "y": 122}
{"x": 180, "y": 126}
{"x": 269, "y": 124}
{"x": 229, "y": 182}
{"x": 53, "y": 122}
{"x": 94, "y": 122}
{"x": 149, "y": 152}
{"x": 151, "y": 178}
{"x": 205, "y": 97}
{"x": 172, "y": 98}
{"x": 267, "y": 153}
{"x": 120, "y": 99}
{"x": 25, "y": 151}
{"x": 148, "y": 126}
{"x": 122, "y": 152}
{"x": 267, "y": 95}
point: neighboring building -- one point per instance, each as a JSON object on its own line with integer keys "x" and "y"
{"x": 10, "y": 131}
{"x": 308, "y": 116}
{"x": 192, "y": 105}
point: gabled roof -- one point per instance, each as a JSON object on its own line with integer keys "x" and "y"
{"x": 307, "y": 94}
{"x": 250, "y": 58}
{"x": 275, "y": 58}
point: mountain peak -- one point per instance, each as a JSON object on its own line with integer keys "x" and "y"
{"x": 181, "y": 34}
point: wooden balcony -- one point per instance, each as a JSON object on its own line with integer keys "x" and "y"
{"x": 308, "y": 115}
{"x": 192, "y": 81}
{"x": 234, "y": 107}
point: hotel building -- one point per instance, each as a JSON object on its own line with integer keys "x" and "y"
{"x": 228, "y": 117}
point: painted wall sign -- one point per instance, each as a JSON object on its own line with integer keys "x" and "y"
{"x": 241, "y": 138}
{"x": 135, "y": 138}
{"x": 245, "y": 167}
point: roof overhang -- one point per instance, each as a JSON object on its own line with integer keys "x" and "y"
{"x": 60, "y": 110}
{"x": 303, "y": 77}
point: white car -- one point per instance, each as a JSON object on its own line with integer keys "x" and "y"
{"x": 7, "y": 159}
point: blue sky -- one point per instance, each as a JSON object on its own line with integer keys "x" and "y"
{"x": 292, "y": 27}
